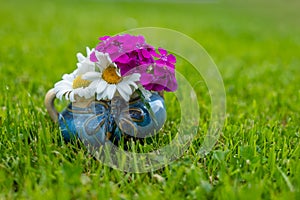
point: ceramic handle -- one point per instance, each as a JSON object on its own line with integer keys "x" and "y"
{"x": 49, "y": 103}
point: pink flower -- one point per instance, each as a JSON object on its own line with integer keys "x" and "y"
{"x": 128, "y": 61}
{"x": 104, "y": 37}
{"x": 133, "y": 55}
{"x": 165, "y": 58}
{"x": 157, "y": 77}
{"x": 118, "y": 45}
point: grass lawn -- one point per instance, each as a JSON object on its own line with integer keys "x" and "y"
{"x": 256, "y": 46}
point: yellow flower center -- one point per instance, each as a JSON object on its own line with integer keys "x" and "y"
{"x": 110, "y": 75}
{"x": 78, "y": 82}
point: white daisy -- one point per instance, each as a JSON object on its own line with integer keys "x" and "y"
{"x": 108, "y": 81}
{"x": 72, "y": 85}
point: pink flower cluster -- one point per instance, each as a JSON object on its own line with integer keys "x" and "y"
{"x": 133, "y": 55}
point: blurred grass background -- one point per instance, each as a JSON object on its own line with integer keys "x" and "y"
{"x": 256, "y": 47}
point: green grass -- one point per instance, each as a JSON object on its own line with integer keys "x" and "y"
{"x": 257, "y": 49}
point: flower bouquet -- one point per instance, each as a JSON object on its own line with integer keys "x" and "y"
{"x": 116, "y": 91}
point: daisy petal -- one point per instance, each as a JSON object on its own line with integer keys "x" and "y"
{"x": 72, "y": 98}
{"x": 125, "y": 91}
{"x": 91, "y": 76}
{"x": 125, "y": 87}
{"x": 123, "y": 94}
{"x": 103, "y": 60}
{"x": 135, "y": 77}
{"x": 80, "y": 57}
{"x": 110, "y": 91}
{"x": 101, "y": 86}
{"x": 61, "y": 93}
{"x": 133, "y": 84}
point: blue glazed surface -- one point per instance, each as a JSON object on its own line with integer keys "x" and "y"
{"x": 109, "y": 121}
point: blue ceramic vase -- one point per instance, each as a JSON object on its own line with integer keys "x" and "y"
{"x": 96, "y": 123}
